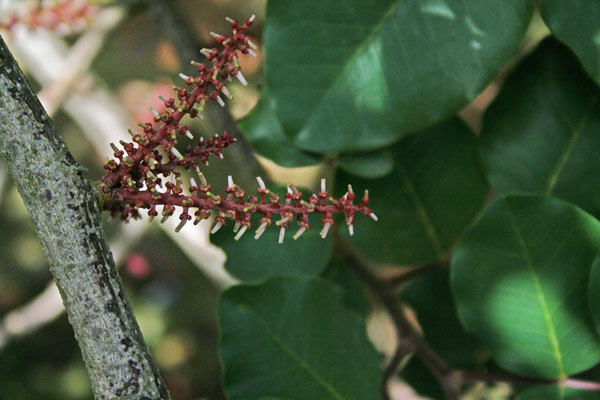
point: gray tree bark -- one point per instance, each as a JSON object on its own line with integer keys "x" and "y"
{"x": 65, "y": 211}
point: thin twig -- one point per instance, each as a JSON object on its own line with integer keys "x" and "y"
{"x": 402, "y": 350}
{"x": 406, "y": 333}
{"x": 410, "y": 273}
{"x": 450, "y": 380}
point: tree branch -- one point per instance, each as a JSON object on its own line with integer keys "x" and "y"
{"x": 409, "y": 341}
{"x": 65, "y": 212}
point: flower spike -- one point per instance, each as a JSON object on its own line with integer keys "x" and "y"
{"x": 146, "y": 173}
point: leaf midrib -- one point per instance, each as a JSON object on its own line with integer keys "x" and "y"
{"x": 430, "y": 230}
{"x": 554, "y": 175}
{"x": 304, "y": 366}
{"x": 540, "y": 295}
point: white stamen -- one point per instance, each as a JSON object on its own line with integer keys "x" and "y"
{"x": 220, "y": 156}
{"x": 346, "y": 196}
{"x": 261, "y": 229}
{"x": 163, "y": 98}
{"x": 323, "y": 187}
{"x": 226, "y": 92}
{"x": 351, "y": 230}
{"x": 261, "y": 183}
{"x": 325, "y": 229}
{"x": 215, "y": 228}
{"x": 236, "y": 227}
{"x": 220, "y": 101}
{"x": 181, "y": 225}
{"x": 176, "y": 153}
{"x": 241, "y": 232}
{"x": 373, "y": 217}
{"x": 252, "y": 45}
{"x": 241, "y": 78}
{"x": 229, "y": 78}
{"x": 252, "y": 53}
{"x": 193, "y": 182}
{"x": 300, "y": 232}
{"x": 229, "y": 181}
{"x": 290, "y": 191}
{"x": 189, "y": 134}
{"x": 251, "y": 19}
{"x": 183, "y": 76}
{"x": 154, "y": 112}
{"x": 281, "y": 234}
{"x": 282, "y": 221}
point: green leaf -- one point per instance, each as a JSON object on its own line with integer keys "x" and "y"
{"x": 264, "y": 132}
{"x": 340, "y": 273}
{"x": 254, "y": 260}
{"x": 519, "y": 279}
{"x": 577, "y": 23}
{"x": 540, "y": 134}
{"x": 360, "y": 74}
{"x": 429, "y": 199}
{"x": 293, "y": 339}
{"x": 370, "y": 165}
{"x": 557, "y": 393}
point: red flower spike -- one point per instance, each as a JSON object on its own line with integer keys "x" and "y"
{"x": 140, "y": 177}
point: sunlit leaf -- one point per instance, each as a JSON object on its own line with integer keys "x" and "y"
{"x": 519, "y": 279}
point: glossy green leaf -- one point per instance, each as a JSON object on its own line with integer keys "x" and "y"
{"x": 577, "y": 23}
{"x": 427, "y": 201}
{"x": 557, "y": 393}
{"x": 264, "y": 132}
{"x": 341, "y": 274}
{"x": 541, "y": 134}
{"x": 519, "y": 279}
{"x": 253, "y": 260}
{"x": 370, "y": 165}
{"x": 292, "y": 338}
{"x": 360, "y": 74}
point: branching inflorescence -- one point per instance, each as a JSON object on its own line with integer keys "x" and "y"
{"x": 144, "y": 173}
{"x": 53, "y": 15}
